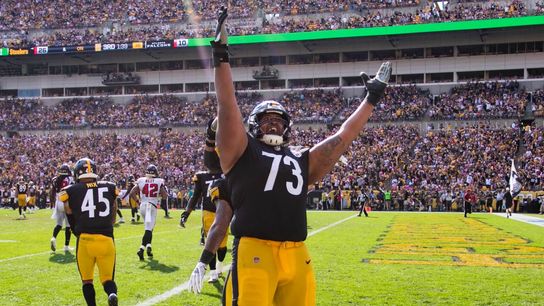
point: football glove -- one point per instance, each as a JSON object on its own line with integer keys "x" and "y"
{"x": 184, "y": 217}
{"x": 221, "y": 35}
{"x": 375, "y": 87}
{"x": 211, "y": 129}
{"x": 220, "y": 50}
{"x": 197, "y": 278}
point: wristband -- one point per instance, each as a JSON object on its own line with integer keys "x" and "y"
{"x": 220, "y": 53}
{"x": 373, "y": 98}
{"x": 206, "y": 257}
{"x": 210, "y": 144}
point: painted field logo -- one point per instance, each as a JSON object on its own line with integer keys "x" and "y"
{"x": 460, "y": 242}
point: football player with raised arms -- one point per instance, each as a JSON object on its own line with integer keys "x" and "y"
{"x": 268, "y": 183}
{"x": 90, "y": 209}
{"x": 203, "y": 182}
{"x": 151, "y": 191}
{"x": 62, "y": 180}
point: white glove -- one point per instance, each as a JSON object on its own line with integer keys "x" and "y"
{"x": 197, "y": 278}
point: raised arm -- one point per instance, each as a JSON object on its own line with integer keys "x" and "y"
{"x": 231, "y": 134}
{"x": 325, "y": 154}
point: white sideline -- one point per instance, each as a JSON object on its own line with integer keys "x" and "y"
{"x": 49, "y": 252}
{"x": 176, "y": 290}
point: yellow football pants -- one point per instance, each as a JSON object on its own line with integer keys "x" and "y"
{"x": 270, "y": 273}
{"x": 95, "y": 249}
{"x": 207, "y": 220}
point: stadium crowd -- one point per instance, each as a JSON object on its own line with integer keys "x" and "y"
{"x": 480, "y": 100}
{"x": 415, "y": 169}
{"x": 78, "y": 22}
{"x": 400, "y": 103}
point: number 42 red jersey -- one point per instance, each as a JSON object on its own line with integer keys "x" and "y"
{"x": 150, "y": 189}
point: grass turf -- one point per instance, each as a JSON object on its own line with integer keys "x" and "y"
{"x": 388, "y": 258}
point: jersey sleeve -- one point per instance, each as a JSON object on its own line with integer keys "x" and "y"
{"x": 219, "y": 191}
{"x": 63, "y": 195}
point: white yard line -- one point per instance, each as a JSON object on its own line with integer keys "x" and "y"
{"x": 177, "y": 290}
{"x": 524, "y": 218}
{"x": 24, "y": 256}
{"x": 7, "y": 241}
{"x": 330, "y": 225}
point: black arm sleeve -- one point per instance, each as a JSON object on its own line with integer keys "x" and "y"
{"x": 195, "y": 198}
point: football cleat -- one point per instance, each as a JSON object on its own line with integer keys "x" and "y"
{"x": 132, "y": 220}
{"x": 112, "y": 300}
{"x": 121, "y": 220}
{"x": 141, "y": 254}
{"x": 214, "y": 276}
{"x": 53, "y": 244}
{"x": 67, "y": 248}
{"x": 149, "y": 252}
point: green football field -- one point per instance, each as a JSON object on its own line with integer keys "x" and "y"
{"x": 388, "y": 258}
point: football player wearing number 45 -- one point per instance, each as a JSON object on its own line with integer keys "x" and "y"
{"x": 152, "y": 192}
{"x": 90, "y": 208}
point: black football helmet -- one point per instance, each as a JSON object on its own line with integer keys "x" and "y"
{"x": 85, "y": 168}
{"x": 152, "y": 171}
{"x": 108, "y": 177}
{"x": 267, "y": 107}
{"x": 64, "y": 170}
{"x": 130, "y": 179}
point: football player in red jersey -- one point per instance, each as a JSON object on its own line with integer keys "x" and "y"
{"x": 152, "y": 192}
{"x": 62, "y": 180}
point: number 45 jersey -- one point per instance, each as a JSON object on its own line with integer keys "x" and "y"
{"x": 150, "y": 190}
{"x": 92, "y": 206}
{"x": 268, "y": 187}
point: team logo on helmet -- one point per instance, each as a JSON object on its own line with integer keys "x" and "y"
{"x": 85, "y": 168}
{"x": 254, "y": 122}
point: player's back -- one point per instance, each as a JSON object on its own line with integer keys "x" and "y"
{"x": 150, "y": 189}
{"x": 203, "y": 180}
{"x": 92, "y": 206}
{"x": 21, "y": 188}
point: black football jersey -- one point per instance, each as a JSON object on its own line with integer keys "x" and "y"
{"x": 129, "y": 188}
{"x": 202, "y": 181}
{"x": 91, "y": 205}
{"x": 21, "y": 188}
{"x": 219, "y": 191}
{"x": 268, "y": 187}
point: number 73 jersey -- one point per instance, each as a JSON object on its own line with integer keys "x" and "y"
{"x": 92, "y": 206}
{"x": 268, "y": 187}
{"x": 150, "y": 189}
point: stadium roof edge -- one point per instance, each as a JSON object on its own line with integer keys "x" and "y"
{"x": 379, "y": 31}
